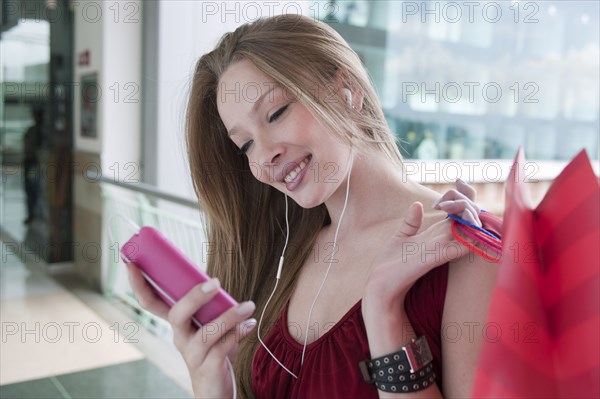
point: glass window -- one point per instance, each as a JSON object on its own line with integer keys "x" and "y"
{"x": 474, "y": 80}
{"x": 25, "y": 50}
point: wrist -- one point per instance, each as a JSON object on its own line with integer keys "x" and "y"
{"x": 383, "y": 296}
{"x": 406, "y": 370}
{"x": 388, "y": 326}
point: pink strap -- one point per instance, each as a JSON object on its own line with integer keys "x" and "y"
{"x": 477, "y": 241}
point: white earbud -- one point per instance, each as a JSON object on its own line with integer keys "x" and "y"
{"x": 348, "y": 95}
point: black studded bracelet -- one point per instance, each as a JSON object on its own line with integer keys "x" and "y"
{"x": 407, "y": 386}
{"x": 407, "y": 370}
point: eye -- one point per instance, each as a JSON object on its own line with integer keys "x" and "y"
{"x": 245, "y": 147}
{"x": 277, "y": 113}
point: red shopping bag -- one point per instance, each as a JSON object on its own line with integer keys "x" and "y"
{"x": 542, "y": 337}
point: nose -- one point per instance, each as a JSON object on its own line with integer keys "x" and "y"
{"x": 272, "y": 161}
{"x": 269, "y": 155}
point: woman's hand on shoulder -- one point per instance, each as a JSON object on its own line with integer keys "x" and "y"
{"x": 410, "y": 253}
{"x": 203, "y": 349}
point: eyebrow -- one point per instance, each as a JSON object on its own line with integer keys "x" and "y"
{"x": 254, "y": 108}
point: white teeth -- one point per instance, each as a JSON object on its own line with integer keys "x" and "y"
{"x": 292, "y": 175}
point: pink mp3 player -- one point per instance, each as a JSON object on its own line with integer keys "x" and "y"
{"x": 171, "y": 273}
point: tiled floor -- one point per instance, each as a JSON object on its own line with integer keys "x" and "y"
{"x": 135, "y": 379}
{"x": 61, "y": 333}
{"x": 61, "y": 340}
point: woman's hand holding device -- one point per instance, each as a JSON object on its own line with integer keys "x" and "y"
{"x": 170, "y": 290}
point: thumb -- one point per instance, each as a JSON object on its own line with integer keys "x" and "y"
{"x": 413, "y": 218}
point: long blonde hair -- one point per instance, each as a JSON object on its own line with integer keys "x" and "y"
{"x": 245, "y": 219}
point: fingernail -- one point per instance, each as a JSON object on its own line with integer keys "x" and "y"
{"x": 459, "y": 180}
{"x": 211, "y": 285}
{"x": 248, "y": 325}
{"x": 436, "y": 203}
{"x": 245, "y": 308}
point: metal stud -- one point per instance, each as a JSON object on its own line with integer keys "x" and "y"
{"x": 422, "y": 373}
{"x": 402, "y": 378}
{"x": 405, "y": 388}
{"x": 394, "y": 388}
{"x": 386, "y": 360}
{"x": 391, "y": 370}
{"x": 381, "y": 373}
{"x": 413, "y": 376}
{"x": 396, "y": 357}
{"x": 416, "y": 387}
{"x": 390, "y": 378}
{"x": 377, "y": 362}
{"x": 400, "y": 367}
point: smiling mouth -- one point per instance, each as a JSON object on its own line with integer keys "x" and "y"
{"x": 294, "y": 173}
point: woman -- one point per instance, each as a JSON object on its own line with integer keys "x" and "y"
{"x": 282, "y": 107}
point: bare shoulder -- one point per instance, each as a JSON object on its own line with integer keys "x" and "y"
{"x": 469, "y": 275}
{"x": 471, "y": 282}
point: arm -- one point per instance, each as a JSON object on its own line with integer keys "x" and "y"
{"x": 405, "y": 258}
{"x": 468, "y": 277}
{"x": 470, "y": 282}
{"x": 388, "y": 334}
{"x": 463, "y": 323}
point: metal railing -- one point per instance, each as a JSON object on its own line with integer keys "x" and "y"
{"x": 179, "y": 219}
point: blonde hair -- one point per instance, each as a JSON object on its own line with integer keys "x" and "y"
{"x": 245, "y": 219}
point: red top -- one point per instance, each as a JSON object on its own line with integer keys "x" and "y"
{"x": 330, "y": 368}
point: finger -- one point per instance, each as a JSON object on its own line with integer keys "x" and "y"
{"x": 454, "y": 195}
{"x": 244, "y": 328}
{"x": 471, "y": 218}
{"x": 413, "y": 218}
{"x": 466, "y": 189}
{"x": 441, "y": 249}
{"x": 463, "y": 209}
{"x": 450, "y": 195}
{"x": 144, "y": 293}
{"x": 214, "y": 353}
{"x": 236, "y": 334}
{"x": 217, "y": 352}
{"x": 181, "y": 313}
{"x": 458, "y": 207}
{"x": 212, "y": 332}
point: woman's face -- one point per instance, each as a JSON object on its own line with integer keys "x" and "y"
{"x": 286, "y": 146}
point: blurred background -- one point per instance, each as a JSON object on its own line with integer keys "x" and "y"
{"x": 91, "y": 126}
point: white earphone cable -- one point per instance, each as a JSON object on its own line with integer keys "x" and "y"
{"x": 337, "y": 230}
{"x": 287, "y": 223}
{"x": 322, "y": 284}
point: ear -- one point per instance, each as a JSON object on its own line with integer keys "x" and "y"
{"x": 341, "y": 81}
